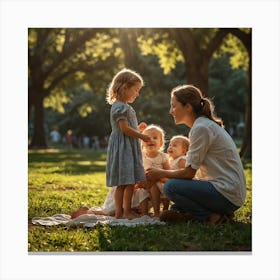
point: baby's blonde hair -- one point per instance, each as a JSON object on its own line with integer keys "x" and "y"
{"x": 184, "y": 140}
{"x": 124, "y": 78}
{"x": 160, "y": 131}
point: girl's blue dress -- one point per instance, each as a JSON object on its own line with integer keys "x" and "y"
{"x": 124, "y": 155}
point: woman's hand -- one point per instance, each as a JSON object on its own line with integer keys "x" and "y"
{"x": 154, "y": 174}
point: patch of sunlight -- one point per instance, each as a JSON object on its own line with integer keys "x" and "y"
{"x": 100, "y": 163}
{"x": 45, "y": 151}
{"x": 84, "y": 162}
{"x": 95, "y": 163}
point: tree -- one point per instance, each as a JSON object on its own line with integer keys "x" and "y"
{"x": 198, "y": 47}
{"x": 245, "y": 36}
{"x": 57, "y": 57}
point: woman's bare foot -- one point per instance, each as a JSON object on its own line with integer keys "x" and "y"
{"x": 214, "y": 219}
{"x": 82, "y": 210}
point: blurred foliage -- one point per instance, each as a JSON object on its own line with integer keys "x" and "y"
{"x": 75, "y": 88}
{"x": 227, "y": 89}
{"x": 239, "y": 57}
{"x": 163, "y": 47}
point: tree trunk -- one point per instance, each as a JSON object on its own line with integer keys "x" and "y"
{"x": 197, "y": 74}
{"x": 39, "y": 139}
{"x": 129, "y": 45}
{"x": 246, "y": 148}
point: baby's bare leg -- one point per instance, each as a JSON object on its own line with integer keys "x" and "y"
{"x": 155, "y": 198}
{"x": 144, "y": 206}
{"x": 165, "y": 202}
{"x": 82, "y": 210}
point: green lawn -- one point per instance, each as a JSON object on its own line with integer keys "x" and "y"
{"x": 61, "y": 181}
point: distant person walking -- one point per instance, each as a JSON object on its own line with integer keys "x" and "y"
{"x": 69, "y": 140}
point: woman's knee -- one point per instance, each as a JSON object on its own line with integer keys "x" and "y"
{"x": 167, "y": 188}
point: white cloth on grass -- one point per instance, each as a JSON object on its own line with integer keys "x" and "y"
{"x": 91, "y": 220}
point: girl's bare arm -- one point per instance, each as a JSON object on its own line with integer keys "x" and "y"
{"x": 129, "y": 131}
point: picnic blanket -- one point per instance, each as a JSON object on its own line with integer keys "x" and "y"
{"x": 91, "y": 220}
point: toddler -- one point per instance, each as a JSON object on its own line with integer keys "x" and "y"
{"x": 153, "y": 156}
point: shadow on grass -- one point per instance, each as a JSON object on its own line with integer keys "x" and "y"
{"x": 180, "y": 238}
{"x": 74, "y": 162}
{"x": 186, "y": 237}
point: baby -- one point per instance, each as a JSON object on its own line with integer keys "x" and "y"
{"x": 153, "y": 156}
{"x": 177, "y": 150}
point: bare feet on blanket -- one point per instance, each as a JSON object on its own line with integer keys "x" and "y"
{"x": 129, "y": 215}
{"x": 82, "y": 210}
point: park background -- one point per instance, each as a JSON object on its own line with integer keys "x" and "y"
{"x": 264, "y": 17}
{"x": 69, "y": 72}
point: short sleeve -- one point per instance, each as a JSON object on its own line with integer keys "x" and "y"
{"x": 200, "y": 141}
{"x": 119, "y": 111}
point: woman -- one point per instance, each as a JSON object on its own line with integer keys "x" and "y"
{"x": 212, "y": 185}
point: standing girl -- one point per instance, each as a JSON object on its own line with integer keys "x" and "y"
{"x": 124, "y": 157}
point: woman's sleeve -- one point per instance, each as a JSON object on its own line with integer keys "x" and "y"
{"x": 200, "y": 141}
{"x": 120, "y": 112}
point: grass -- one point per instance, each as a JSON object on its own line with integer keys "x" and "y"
{"x": 61, "y": 181}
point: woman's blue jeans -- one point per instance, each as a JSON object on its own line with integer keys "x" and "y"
{"x": 199, "y": 198}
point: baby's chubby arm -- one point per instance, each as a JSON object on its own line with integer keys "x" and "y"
{"x": 182, "y": 163}
{"x": 166, "y": 166}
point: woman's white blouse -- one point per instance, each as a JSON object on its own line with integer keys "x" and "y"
{"x": 214, "y": 154}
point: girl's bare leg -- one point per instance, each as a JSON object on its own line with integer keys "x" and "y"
{"x": 119, "y": 196}
{"x": 127, "y": 197}
{"x": 155, "y": 198}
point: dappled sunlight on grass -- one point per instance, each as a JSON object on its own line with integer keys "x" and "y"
{"x": 61, "y": 182}
{"x": 85, "y": 162}
{"x": 66, "y": 163}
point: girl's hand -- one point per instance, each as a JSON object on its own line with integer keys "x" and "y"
{"x": 154, "y": 174}
{"x": 145, "y": 138}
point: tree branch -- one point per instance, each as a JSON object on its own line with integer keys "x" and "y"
{"x": 245, "y": 38}
{"x": 185, "y": 41}
{"x": 71, "y": 49}
{"x": 216, "y": 41}
{"x": 79, "y": 67}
